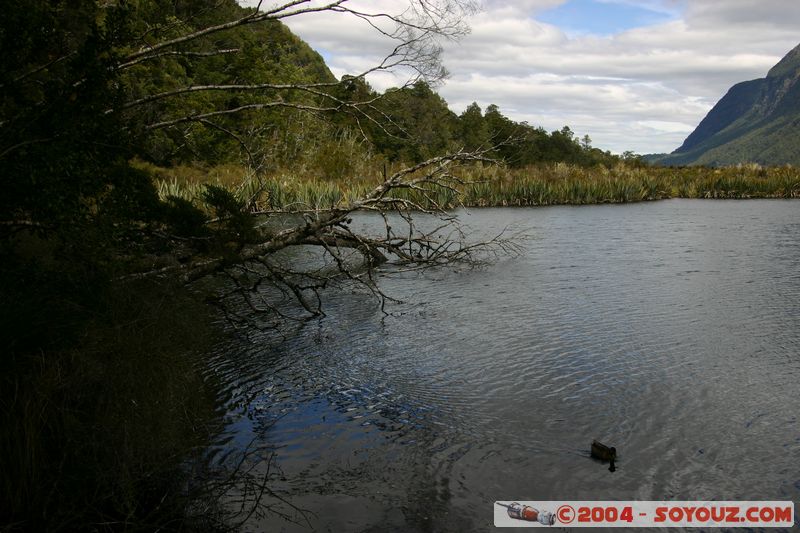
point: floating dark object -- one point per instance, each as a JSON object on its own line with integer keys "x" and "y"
{"x": 604, "y": 453}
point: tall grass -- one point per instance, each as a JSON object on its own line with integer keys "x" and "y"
{"x": 553, "y": 184}
{"x": 102, "y": 404}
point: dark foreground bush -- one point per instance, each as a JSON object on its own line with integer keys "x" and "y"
{"x": 102, "y": 402}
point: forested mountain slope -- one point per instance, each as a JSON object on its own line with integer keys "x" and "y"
{"x": 757, "y": 121}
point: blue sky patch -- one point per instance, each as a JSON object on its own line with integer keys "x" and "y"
{"x": 601, "y": 18}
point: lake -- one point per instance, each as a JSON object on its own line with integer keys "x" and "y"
{"x": 670, "y": 330}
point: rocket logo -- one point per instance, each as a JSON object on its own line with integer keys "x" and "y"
{"x": 528, "y": 514}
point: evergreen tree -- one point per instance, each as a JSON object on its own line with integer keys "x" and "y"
{"x": 474, "y": 130}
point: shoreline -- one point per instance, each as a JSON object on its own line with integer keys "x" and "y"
{"x": 494, "y": 186}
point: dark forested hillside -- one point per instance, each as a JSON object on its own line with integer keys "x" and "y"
{"x": 757, "y": 121}
{"x": 247, "y": 56}
{"x": 81, "y": 72}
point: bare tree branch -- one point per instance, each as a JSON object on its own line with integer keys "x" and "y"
{"x": 231, "y": 88}
{"x": 177, "y": 53}
{"x": 228, "y": 132}
{"x": 23, "y": 144}
{"x": 425, "y": 189}
{"x": 199, "y": 117}
{"x": 276, "y": 13}
{"x": 317, "y": 229}
{"x": 40, "y": 68}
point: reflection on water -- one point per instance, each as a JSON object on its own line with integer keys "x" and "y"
{"x": 669, "y": 330}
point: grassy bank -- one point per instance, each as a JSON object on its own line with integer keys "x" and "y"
{"x": 103, "y": 401}
{"x": 557, "y": 184}
{"x": 562, "y": 184}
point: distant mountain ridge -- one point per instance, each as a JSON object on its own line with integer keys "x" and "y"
{"x": 757, "y": 121}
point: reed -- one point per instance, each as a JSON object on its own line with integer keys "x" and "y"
{"x": 101, "y": 422}
{"x": 484, "y": 186}
{"x": 564, "y": 184}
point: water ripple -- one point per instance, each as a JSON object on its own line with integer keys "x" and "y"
{"x": 670, "y": 330}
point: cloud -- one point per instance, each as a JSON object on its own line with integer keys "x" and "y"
{"x": 745, "y": 14}
{"x": 641, "y": 89}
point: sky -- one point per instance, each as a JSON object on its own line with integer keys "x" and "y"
{"x": 634, "y": 75}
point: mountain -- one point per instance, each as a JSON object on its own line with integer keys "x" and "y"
{"x": 757, "y": 121}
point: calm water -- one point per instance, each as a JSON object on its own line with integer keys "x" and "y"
{"x": 670, "y": 330}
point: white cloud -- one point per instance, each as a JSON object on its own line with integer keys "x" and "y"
{"x": 643, "y": 89}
